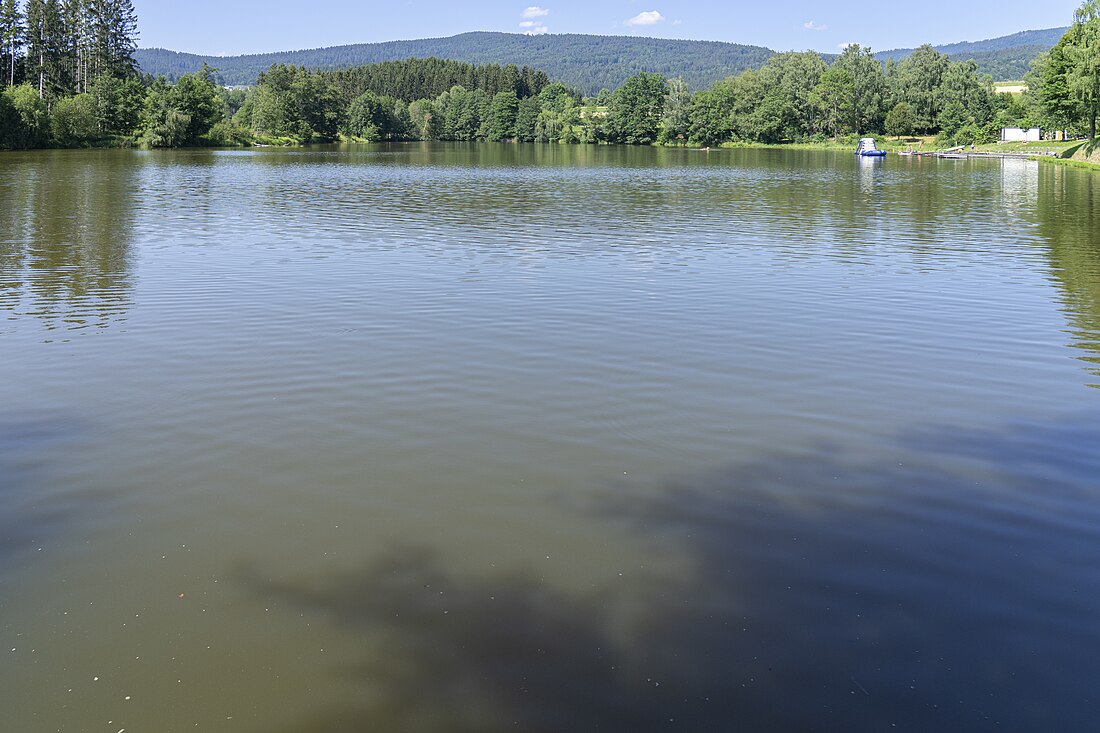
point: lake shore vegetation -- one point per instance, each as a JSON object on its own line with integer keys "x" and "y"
{"x": 71, "y": 81}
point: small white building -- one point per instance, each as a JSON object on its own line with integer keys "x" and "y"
{"x": 1020, "y": 135}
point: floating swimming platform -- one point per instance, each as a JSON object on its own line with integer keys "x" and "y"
{"x": 868, "y": 149}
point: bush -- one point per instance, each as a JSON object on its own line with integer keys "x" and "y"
{"x": 73, "y": 120}
{"x": 26, "y": 121}
{"x": 167, "y": 130}
{"x": 227, "y": 135}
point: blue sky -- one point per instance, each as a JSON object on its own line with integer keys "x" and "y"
{"x": 252, "y": 26}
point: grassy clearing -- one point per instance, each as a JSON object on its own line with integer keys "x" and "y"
{"x": 1069, "y": 163}
{"x": 1043, "y": 146}
{"x": 1015, "y": 88}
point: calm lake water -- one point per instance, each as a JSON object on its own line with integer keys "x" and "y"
{"x": 439, "y": 438}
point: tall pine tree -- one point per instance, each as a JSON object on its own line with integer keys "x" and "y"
{"x": 11, "y": 38}
{"x": 46, "y": 47}
{"x": 114, "y": 23}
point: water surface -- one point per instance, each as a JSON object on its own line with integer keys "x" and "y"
{"x": 441, "y": 437}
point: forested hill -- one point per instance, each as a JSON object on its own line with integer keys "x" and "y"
{"x": 588, "y": 63}
{"x": 1007, "y": 57}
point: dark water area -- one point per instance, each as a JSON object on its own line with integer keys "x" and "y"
{"x": 448, "y": 437}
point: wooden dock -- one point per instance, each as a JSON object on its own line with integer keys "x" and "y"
{"x": 967, "y": 154}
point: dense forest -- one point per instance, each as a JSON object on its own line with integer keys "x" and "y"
{"x": 1044, "y": 38}
{"x": 586, "y": 63}
{"x": 1007, "y": 57}
{"x": 72, "y": 80}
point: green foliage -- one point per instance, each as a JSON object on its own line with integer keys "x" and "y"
{"x": 460, "y": 113}
{"x": 113, "y": 25}
{"x": 12, "y": 35}
{"x": 428, "y": 78}
{"x": 634, "y": 115}
{"x": 952, "y": 118}
{"x": 226, "y": 134}
{"x": 583, "y": 62}
{"x": 424, "y": 122}
{"x": 232, "y": 99}
{"x": 711, "y": 116}
{"x": 10, "y": 124}
{"x": 24, "y": 119}
{"x": 500, "y": 122}
{"x": 527, "y": 117}
{"x": 119, "y": 103}
{"x": 164, "y": 124}
{"x": 180, "y": 114}
{"x": 1083, "y": 53}
{"x": 676, "y": 118}
{"x": 901, "y": 120}
{"x": 293, "y": 102}
{"x": 73, "y": 120}
{"x": 79, "y": 67}
{"x": 860, "y": 86}
{"x": 834, "y": 97}
{"x": 371, "y": 117}
{"x": 366, "y": 117}
{"x": 962, "y": 84}
{"x": 786, "y": 107}
{"x": 1068, "y": 78}
{"x": 1007, "y": 57}
{"x": 917, "y": 83}
{"x": 558, "y": 116}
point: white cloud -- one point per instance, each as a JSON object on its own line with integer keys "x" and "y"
{"x": 649, "y": 17}
{"x": 813, "y": 25}
{"x": 843, "y": 46}
{"x": 677, "y": 22}
{"x": 534, "y": 27}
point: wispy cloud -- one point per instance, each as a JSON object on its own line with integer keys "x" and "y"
{"x": 843, "y": 46}
{"x": 531, "y": 26}
{"x": 649, "y": 17}
{"x": 677, "y": 22}
{"x": 813, "y": 25}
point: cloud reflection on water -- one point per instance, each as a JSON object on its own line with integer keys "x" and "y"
{"x": 956, "y": 593}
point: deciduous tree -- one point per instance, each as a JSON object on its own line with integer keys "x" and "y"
{"x": 634, "y": 115}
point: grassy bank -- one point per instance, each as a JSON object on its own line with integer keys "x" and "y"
{"x": 846, "y": 143}
{"x": 1079, "y": 154}
{"x": 1070, "y": 163}
{"x": 1038, "y": 148}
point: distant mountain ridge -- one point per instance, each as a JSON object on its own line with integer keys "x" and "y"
{"x": 1003, "y": 58}
{"x": 586, "y": 62}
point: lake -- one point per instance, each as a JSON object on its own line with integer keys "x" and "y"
{"x": 473, "y": 437}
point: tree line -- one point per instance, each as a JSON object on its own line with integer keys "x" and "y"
{"x": 1066, "y": 79}
{"x": 68, "y": 71}
{"x": 83, "y": 89}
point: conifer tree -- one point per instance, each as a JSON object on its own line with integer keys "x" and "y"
{"x": 12, "y": 34}
{"x": 114, "y": 24}
{"x": 45, "y": 46}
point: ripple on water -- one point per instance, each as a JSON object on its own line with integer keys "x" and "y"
{"x": 422, "y": 433}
